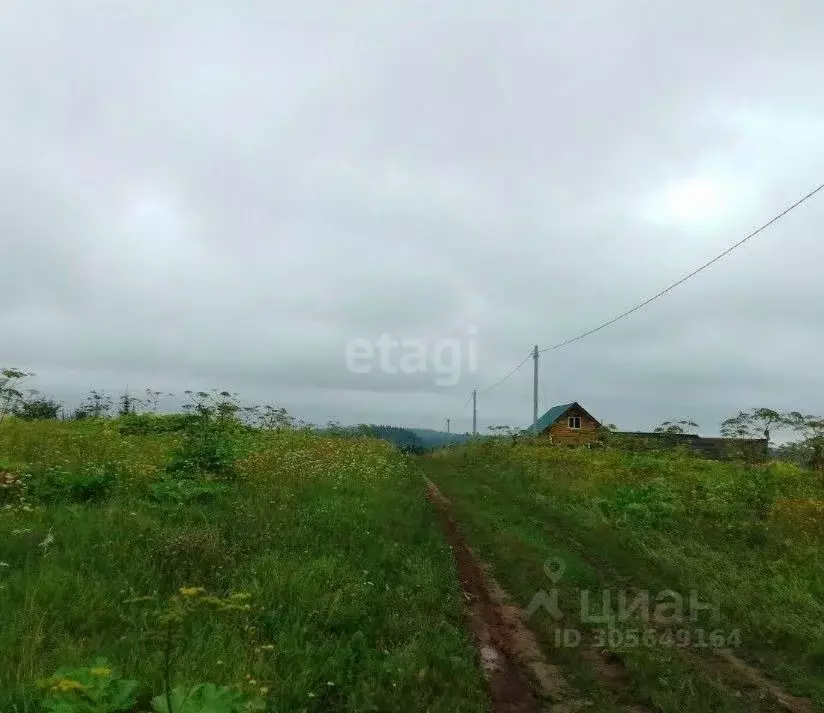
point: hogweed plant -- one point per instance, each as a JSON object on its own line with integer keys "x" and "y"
{"x": 10, "y": 394}
{"x": 166, "y": 626}
{"x": 92, "y": 689}
{"x": 99, "y": 688}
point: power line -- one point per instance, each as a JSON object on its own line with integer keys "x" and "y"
{"x": 501, "y": 381}
{"x": 656, "y": 296}
{"x": 459, "y": 414}
{"x": 690, "y": 275}
{"x": 496, "y": 384}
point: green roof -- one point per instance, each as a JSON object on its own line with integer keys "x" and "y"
{"x": 550, "y": 417}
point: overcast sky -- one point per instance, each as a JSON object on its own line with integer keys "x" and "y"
{"x": 214, "y": 194}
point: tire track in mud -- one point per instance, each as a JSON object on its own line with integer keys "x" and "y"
{"x": 519, "y": 677}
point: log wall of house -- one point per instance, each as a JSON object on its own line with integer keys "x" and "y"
{"x": 560, "y": 432}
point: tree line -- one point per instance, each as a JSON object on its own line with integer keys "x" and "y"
{"x": 807, "y": 449}
{"x": 31, "y": 405}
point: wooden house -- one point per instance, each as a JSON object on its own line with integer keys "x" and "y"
{"x": 568, "y": 424}
{"x": 572, "y": 425}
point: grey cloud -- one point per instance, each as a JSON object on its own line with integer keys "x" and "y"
{"x": 209, "y": 195}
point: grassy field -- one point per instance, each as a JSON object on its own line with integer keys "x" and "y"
{"x": 309, "y": 576}
{"x": 749, "y": 539}
{"x": 222, "y": 569}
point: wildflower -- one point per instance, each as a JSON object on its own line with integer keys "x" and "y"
{"x": 191, "y": 591}
{"x": 135, "y": 600}
{"x": 101, "y": 671}
{"x": 268, "y": 647}
{"x": 67, "y": 685}
{"x": 48, "y": 541}
{"x": 252, "y": 682}
{"x": 263, "y": 690}
{"x": 4, "y": 564}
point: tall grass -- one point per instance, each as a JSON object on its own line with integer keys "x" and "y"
{"x": 354, "y": 601}
{"x": 78, "y": 444}
{"x": 749, "y": 538}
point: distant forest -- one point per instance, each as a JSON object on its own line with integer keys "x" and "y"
{"x": 408, "y": 440}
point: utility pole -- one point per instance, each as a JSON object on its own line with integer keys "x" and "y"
{"x": 474, "y": 412}
{"x": 535, "y": 390}
{"x": 447, "y": 424}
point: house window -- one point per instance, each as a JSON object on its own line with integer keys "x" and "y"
{"x": 575, "y": 423}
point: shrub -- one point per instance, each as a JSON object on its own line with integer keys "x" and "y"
{"x": 38, "y": 409}
{"x": 758, "y": 491}
{"x": 209, "y": 446}
{"x": 91, "y": 484}
{"x": 146, "y": 423}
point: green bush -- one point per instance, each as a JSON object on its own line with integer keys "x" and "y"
{"x": 759, "y": 491}
{"x": 38, "y": 409}
{"x": 93, "y": 483}
{"x": 147, "y": 423}
{"x": 210, "y": 445}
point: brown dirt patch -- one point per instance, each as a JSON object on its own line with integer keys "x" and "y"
{"x": 764, "y": 687}
{"x": 520, "y": 680}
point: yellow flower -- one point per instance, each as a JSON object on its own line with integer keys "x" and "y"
{"x": 101, "y": 671}
{"x": 191, "y": 591}
{"x": 66, "y": 685}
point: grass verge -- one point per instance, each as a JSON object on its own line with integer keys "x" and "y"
{"x": 739, "y": 537}
{"x": 353, "y": 603}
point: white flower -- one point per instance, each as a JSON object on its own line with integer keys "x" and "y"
{"x": 4, "y": 564}
{"x": 46, "y": 543}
